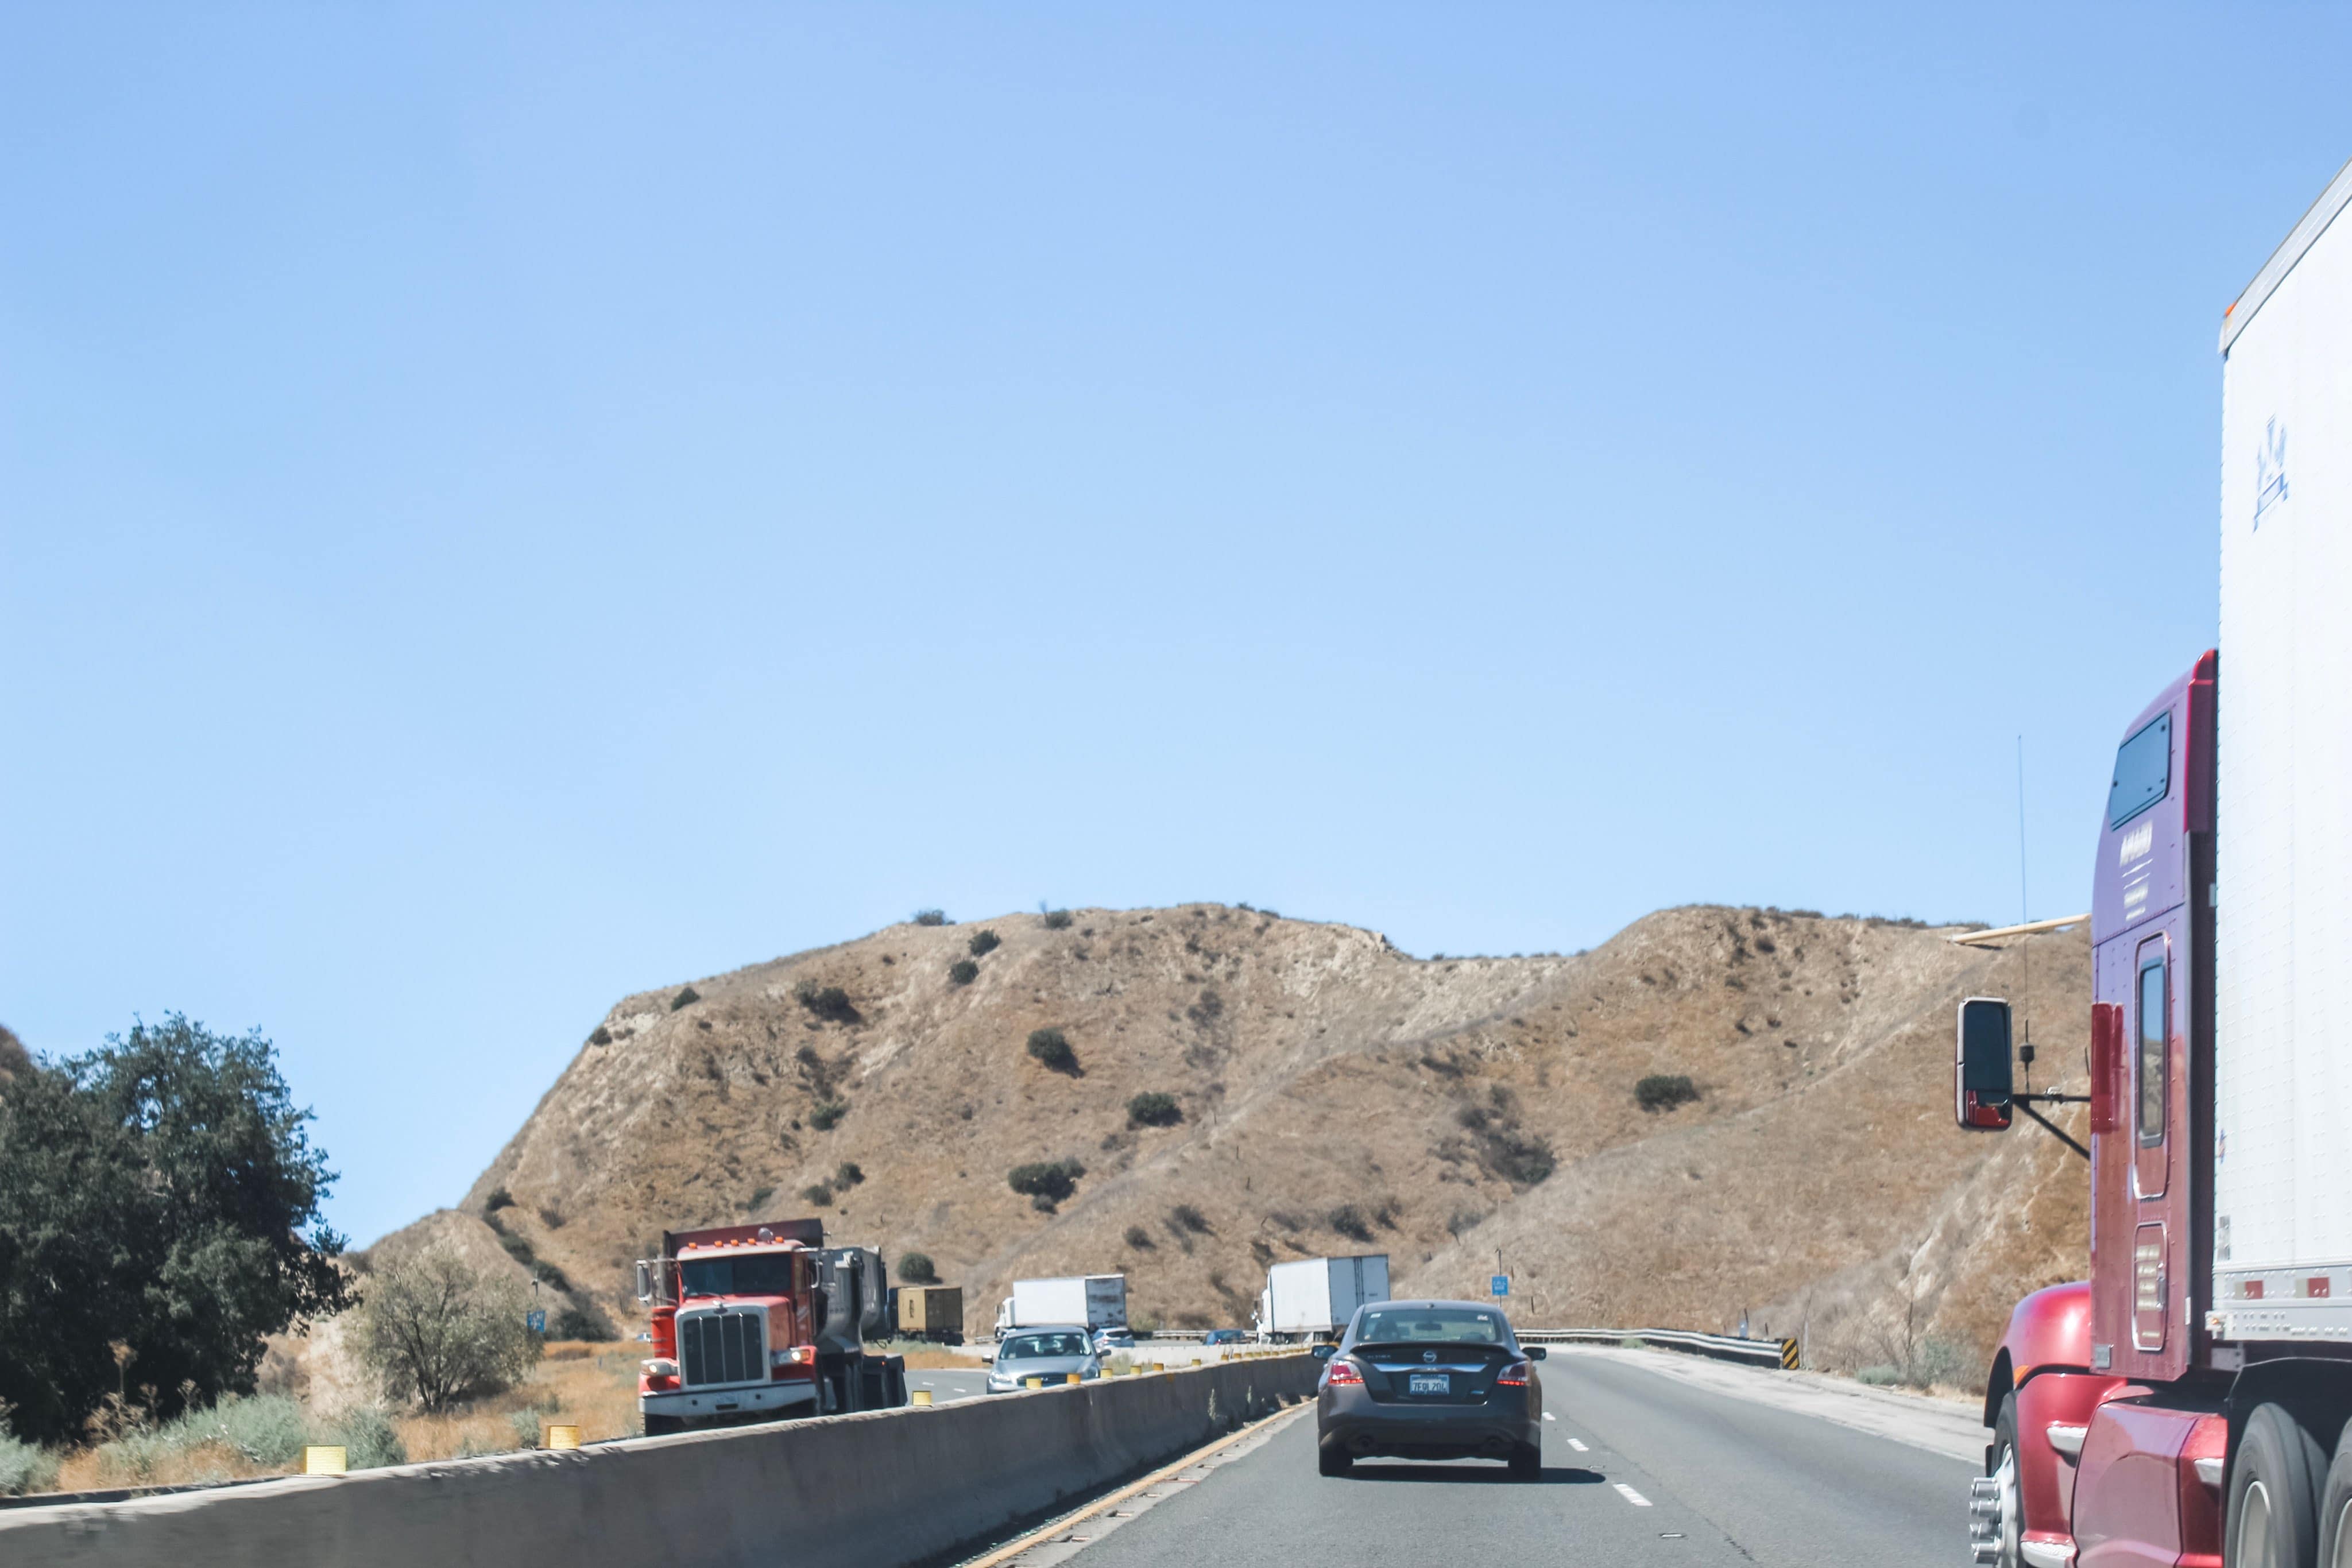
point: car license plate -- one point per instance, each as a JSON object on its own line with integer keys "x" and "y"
{"x": 1429, "y": 1383}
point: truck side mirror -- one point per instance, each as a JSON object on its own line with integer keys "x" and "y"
{"x": 1983, "y": 1066}
{"x": 645, "y": 1283}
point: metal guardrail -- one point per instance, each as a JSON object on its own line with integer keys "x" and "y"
{"x": 1774, "y": 1353}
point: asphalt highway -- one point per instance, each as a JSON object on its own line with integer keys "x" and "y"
{"x": 1639, "y": 1467}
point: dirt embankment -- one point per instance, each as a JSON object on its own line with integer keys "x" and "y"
{"x": 1332, "y": 1095}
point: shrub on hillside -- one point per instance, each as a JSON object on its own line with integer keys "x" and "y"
{"x": 1052, "y": 1048}
{"x": 849, "y": 1174}
{"x": 983, "y": 943}
{"x": 1187, "y": 1220}
{"x": 826, "y": 1114}
{"x": 1153, "y": 1109}
{"x": 1046, "y": 1182}
{"x": 930, "y": 917}
{"x": 1057, "y": 920}
{"x": 962, "y": 972}
{"x": 499, "y": 1198}
{"x": 824, "y": 1001}
{"x": 1138, "y": 1237}
{"x": 575, "y": 1322}
{"x": 1349, "y": 1221}
{"x": 437, "y": 1331}
{"x": 916, "y": 1268}
{"x": 25, "y": 1466}
{"x": 369, "y": 1439}
{"x": 818, "y": 1194}
{"x": 686, "y": 997}
{"x": 1665, "y": 1091}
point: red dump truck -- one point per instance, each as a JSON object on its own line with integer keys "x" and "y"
{"x": 2191, "y": 1402}
{"x": 760, "y": 1323}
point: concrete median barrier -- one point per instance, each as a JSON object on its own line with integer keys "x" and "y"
{"x": 887, "y": 1487}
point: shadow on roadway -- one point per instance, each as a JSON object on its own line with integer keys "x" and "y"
{"x": 1464, "y": 1475}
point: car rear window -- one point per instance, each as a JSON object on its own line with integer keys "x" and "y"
{"x": 1452, "y": 1325}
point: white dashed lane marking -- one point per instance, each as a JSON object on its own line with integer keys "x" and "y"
{"x": 1550, "y": 1416}
{"x": 1630, "y": 1495}
{"x": 1578, "y": 1446}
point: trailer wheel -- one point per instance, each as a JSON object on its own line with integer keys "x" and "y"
{"x": 2273, "y": 1495}
{"x": 2336, "y": 1507}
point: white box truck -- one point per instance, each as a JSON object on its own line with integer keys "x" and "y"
{"x": 1313, "y": 1298}
{"x": 1097, "y": 1300}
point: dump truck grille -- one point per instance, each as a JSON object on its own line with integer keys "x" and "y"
{"x": 722, "y": 1347}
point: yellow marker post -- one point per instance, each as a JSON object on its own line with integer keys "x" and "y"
{"x": 1072, "y": 1377}
{"x": 323, "y": 1459}
{"x": 1032, "y": 1383}
{"x": 922, "y": 1397}
{"x": 562, "y": 1436}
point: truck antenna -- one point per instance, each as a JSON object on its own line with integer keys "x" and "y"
{"x": 2024, "y": 917}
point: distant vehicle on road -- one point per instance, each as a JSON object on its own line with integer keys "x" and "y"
{"x": 1051, "y": 1351}
{"x": 929, "y": 1312}
{"x": 1429, "y": 1380}
{"x": 1095, "y": 1301}
{"x": 1224, "y": 1336}
{"x": 1115, "y": 1337}
{"x": 1313, "y": 1298}
{"x": 761, "y": 1323}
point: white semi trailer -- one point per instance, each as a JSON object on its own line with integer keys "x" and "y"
{"x": 1313, "y": 1298}
{"x": 1097, "y": 1300}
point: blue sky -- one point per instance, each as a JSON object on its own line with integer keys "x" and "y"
{"x": 501, "y": 507}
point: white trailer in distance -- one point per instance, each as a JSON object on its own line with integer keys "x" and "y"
{"x": 1313, "y": 1298}
{"x": 1097, "y": 1300}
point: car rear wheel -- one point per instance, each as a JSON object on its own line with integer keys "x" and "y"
{"x": 1527, "y": 1462}
{"x": 2273, "y": 1495}
{"x": 1331, "y": 1460}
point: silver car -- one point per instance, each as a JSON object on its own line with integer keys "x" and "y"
{"x": 1051, "y": 1351}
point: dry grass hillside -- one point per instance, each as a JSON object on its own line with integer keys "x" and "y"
{"x": 1335, "y": 1096}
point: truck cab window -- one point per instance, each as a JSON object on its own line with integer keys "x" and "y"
{"x": 2152, "y": 1055}
{"x": 2143, "y": 771}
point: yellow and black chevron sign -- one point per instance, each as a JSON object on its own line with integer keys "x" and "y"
{"x": 1788, "y": 1355}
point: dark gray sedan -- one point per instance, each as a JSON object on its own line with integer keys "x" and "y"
{"x": 1430, "y": 1380}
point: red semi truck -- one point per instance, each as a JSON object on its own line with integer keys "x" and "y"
{"x": 755, "y": 1323}
{"x": 2191, "y": 1403}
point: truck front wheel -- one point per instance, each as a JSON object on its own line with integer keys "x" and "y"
{"x": 2273, "y": 1495}
{"x": 1995, "y": 1515}
{"x": 663, "y": 1426}
{"x": 2336, "y": 1507}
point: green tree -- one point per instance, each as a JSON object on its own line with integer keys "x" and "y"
{"x": 71, "y": 1204}
{"x": 435, "y": 1329}
{"x": 163, "y": 1192}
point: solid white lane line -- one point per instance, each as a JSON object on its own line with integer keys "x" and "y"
{"x": 1550, "y": 1416}
{"x": 1630, "y": 1495}
{"x": 1578, "y": 1446}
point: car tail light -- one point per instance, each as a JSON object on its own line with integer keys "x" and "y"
{"x": 1514, "y": 1375}
{"x": 1342, "y": 1374}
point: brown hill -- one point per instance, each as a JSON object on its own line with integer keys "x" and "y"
{"x": 1336, "y": 1095}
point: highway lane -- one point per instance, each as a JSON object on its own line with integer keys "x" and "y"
{"x": 948, "y": 1385}
{"x": 1638, "y": 1468}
